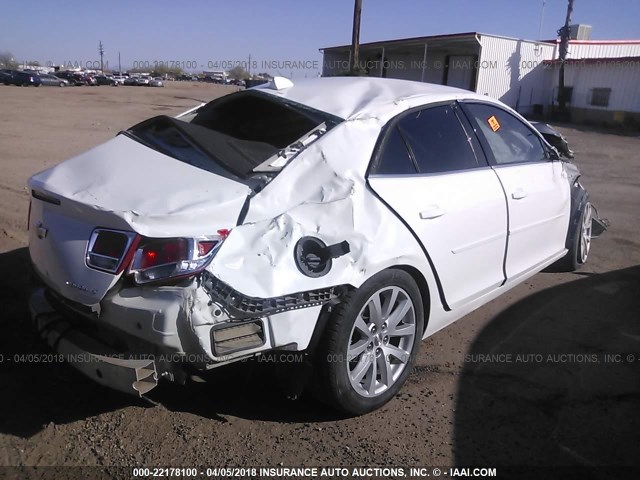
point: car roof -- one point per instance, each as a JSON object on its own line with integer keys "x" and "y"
{"x": 347, "y": 97}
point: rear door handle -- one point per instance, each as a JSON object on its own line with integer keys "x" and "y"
{"x": 432, "y": 211}
{"x": 519, "y": 193}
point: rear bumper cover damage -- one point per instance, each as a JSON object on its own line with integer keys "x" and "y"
{"x": 130, "y": 344}
{"x": 93, "y": 358}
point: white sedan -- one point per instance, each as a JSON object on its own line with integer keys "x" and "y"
{"x": 331, "y": 224}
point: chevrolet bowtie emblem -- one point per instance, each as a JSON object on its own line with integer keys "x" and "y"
{"x": 42, "y": 232}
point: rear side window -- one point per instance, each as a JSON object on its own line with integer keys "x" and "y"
{"x": 510, "y": 140}
{"x": 395, "y": 159}
{"x": 437, "y": 140}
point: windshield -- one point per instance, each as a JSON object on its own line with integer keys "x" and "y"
{"x": 237, "y": 132}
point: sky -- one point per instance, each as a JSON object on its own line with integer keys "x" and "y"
{"x": 214, "y": 34}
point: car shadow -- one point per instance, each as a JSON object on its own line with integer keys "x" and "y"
{"x": 249, "y": 390}
{"x": 38, "y": 391}
{"x": 555, "y": 379}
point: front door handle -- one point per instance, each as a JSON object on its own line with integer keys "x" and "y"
{"x": 432, "y": 211}
{"x": 519, "y": 193}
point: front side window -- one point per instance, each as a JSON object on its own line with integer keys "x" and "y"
{"x": 437, "y": 140}
{"x": 509, "y": 139}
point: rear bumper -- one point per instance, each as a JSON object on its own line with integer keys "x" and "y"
{"x": 97, "y": 360}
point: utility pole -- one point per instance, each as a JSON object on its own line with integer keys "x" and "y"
{"x": 101, "y": 52}
{"x": 564, "y": 49}
{"x": 249, "y": 66}
{"x": 119, "y": 66}
{"x": 355, "y": 37}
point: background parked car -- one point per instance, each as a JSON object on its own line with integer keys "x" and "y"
{"x": 90, "y": 79}
{"x": 104, "y": 80}
{"x": 74, "y": 78}
{"x": 156, "y": 82}
{"x": 144, "y": 80}
{"x": 52, "y": 80}
{"x": 119, "y": 79}
{"x": 24, "y": 79}
{"x": 131, "y": 81}
{"x": 5, "y": 76}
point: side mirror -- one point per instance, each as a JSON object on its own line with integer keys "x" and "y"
{"x": 554, "y": 154}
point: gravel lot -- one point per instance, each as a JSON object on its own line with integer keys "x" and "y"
{"x": 564, "y": 403}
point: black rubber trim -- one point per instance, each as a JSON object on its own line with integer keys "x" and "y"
{"x": 243, "y": 211}
{"x": 242, "y": 307}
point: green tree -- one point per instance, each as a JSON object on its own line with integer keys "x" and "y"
{"x": 162, "y": 70}
{"x": 239, "y": 73}
{"x": 7, "y": 60}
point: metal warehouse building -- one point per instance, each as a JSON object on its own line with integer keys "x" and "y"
{"x": 521, "y": 73}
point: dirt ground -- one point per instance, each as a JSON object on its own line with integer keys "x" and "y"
{"x": 562, "y": 402}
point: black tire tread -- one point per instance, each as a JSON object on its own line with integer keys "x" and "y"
{"x": 326, "y": 385}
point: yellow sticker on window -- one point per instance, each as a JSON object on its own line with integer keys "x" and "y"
{"x": 493, "y": 123}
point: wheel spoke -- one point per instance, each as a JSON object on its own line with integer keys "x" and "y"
{"x": 384, "y": 367}
{"x": 357, "y": 348}
{"x": 371, "y": 378}
{"x": 396, "y": 352}
{"x": 399, "y": 313}
{"x": 375, "y": 310}
{"x": 361, "y": 369}
{"x": 403, "y": 330}
{"x": 390, "y": 303}
{"x": 362, "y": 327}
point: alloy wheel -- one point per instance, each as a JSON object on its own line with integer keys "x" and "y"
{"x": 381, "y": 341}
{"x": 585, "y": 233}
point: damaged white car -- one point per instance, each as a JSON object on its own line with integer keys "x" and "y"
{"x": 343, "y": 218}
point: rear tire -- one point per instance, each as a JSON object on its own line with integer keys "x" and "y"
{"x": 370, "y": 343}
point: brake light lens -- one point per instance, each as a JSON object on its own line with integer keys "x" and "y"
{"x": 162, "y": 252}
{"x": 108, "y": 249}
{"x": 166, "y": 258}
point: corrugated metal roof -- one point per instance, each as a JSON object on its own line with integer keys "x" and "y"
{"x": 396, "y": 41}
{"x": 593, "y": 60}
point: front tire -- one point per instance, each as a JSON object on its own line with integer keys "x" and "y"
{"x": 370, "y": 343}
{"x": 580, "y": 246}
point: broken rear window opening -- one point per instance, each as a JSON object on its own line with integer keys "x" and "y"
{"x": 233, "y": 134}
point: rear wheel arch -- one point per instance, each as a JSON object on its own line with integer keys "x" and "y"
{"x": 423, "y": 286}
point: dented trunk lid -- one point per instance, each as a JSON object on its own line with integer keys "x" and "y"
{"x": 120, "y": 185}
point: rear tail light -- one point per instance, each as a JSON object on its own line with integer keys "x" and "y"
{"x": 150, "y": 259}
{"x": 107, "y": 249}
{"x": 161, "y": 259}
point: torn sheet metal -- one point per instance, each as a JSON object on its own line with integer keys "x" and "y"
{"x": 322, "y": 194}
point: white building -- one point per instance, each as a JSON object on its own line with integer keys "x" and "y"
{"x": 603, "y": 82}
{"x": 521, "y": 73}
